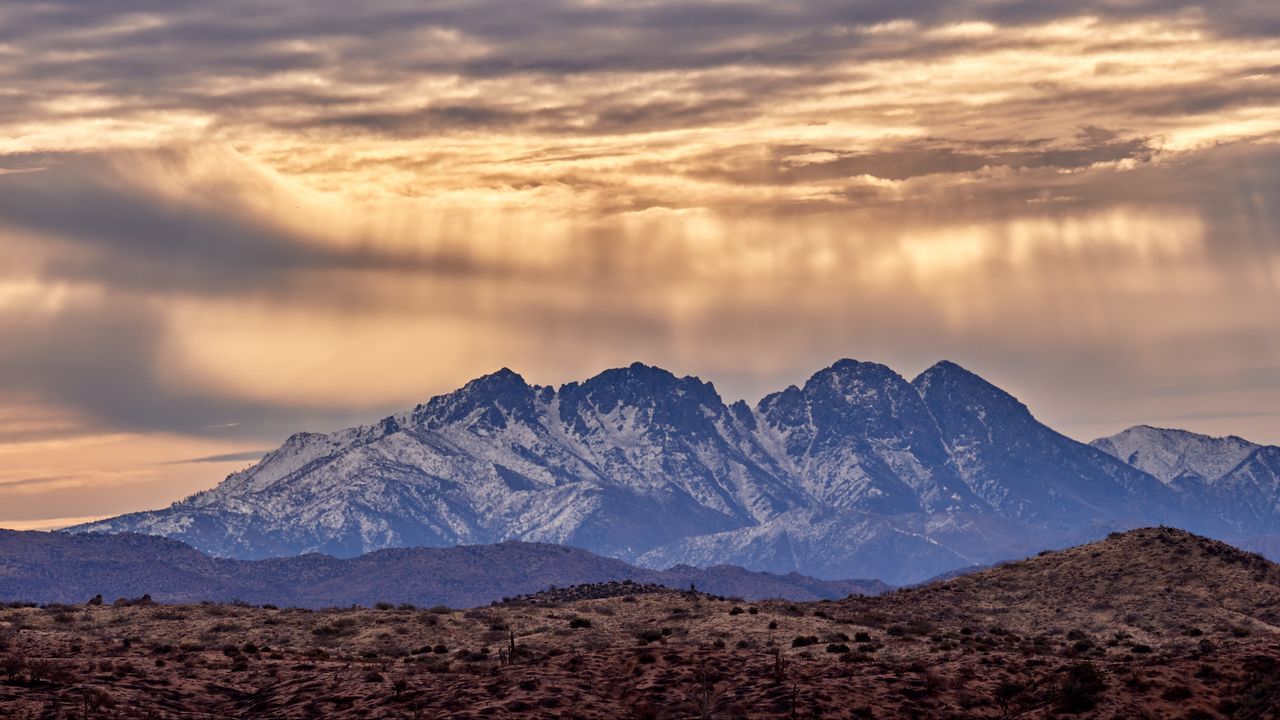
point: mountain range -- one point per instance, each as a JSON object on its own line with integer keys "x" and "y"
{"x": 66, "y": 568}
{"x": 857, "y": 473}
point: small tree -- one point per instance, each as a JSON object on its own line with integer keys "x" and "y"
{"x": 1006, "y": 693}
{"x": 12, "y": 667}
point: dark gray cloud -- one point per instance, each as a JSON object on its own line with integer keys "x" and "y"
{"x": 106, "y": 361}
{"x": 94, "y": 223}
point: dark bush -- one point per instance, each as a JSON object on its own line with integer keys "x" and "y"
{"x": 1080, "y": 688}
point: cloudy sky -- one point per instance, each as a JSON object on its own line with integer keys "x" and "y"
{"x": 224, "y": 222}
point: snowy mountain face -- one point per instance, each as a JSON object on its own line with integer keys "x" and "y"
{"x": 859, "y": 473}
{"x": 1233, "y": 480}
{"x": 1173, "y": 455}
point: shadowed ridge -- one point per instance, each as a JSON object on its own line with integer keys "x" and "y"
{"x": 489, "y": 400}
{"x": 955, "y": 375}
{"x": 69, "y": 567}
{"x": 860, "y": 437}
{"x": 1030, "y": 472}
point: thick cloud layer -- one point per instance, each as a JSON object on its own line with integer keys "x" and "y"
{"x": 223, "y": 222}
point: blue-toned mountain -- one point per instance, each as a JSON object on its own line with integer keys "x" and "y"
{"x": 858, "y": 473}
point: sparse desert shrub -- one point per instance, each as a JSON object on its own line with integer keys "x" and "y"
{"x": 337, "y": 628}
{"x": 804, "y": 641}
{"x": 579, "y": 622}
{"x": 838, "y": 648}
{"x": 1080, "y": 688}
{"x": 383, "y": 606}
{"x": 735, "y": 610}
{"x": 862, "y": 637}
{"x": 648, "y": 635}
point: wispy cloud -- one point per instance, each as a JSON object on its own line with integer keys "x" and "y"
{"x": 56, "y": 523}
{"x": 226, "y": 457}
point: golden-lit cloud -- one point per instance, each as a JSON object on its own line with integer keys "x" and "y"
{"x": 221, "y": 223}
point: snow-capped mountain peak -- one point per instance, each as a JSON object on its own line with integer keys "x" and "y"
{"x": 1170, "y": 454}
{"x": 855, "y": 472}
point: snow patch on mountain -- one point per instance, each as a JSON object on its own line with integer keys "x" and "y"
{"x": 1170, "y": 454}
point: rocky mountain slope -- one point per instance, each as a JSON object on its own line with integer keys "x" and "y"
{"x": 858, "y": 473}
{"x": 1233, "y": 480}
{"x": 1154, "y": 623}
{"x": 62, "y": 568}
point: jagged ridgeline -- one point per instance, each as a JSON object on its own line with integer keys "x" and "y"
{"x": 859, "y": 473}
